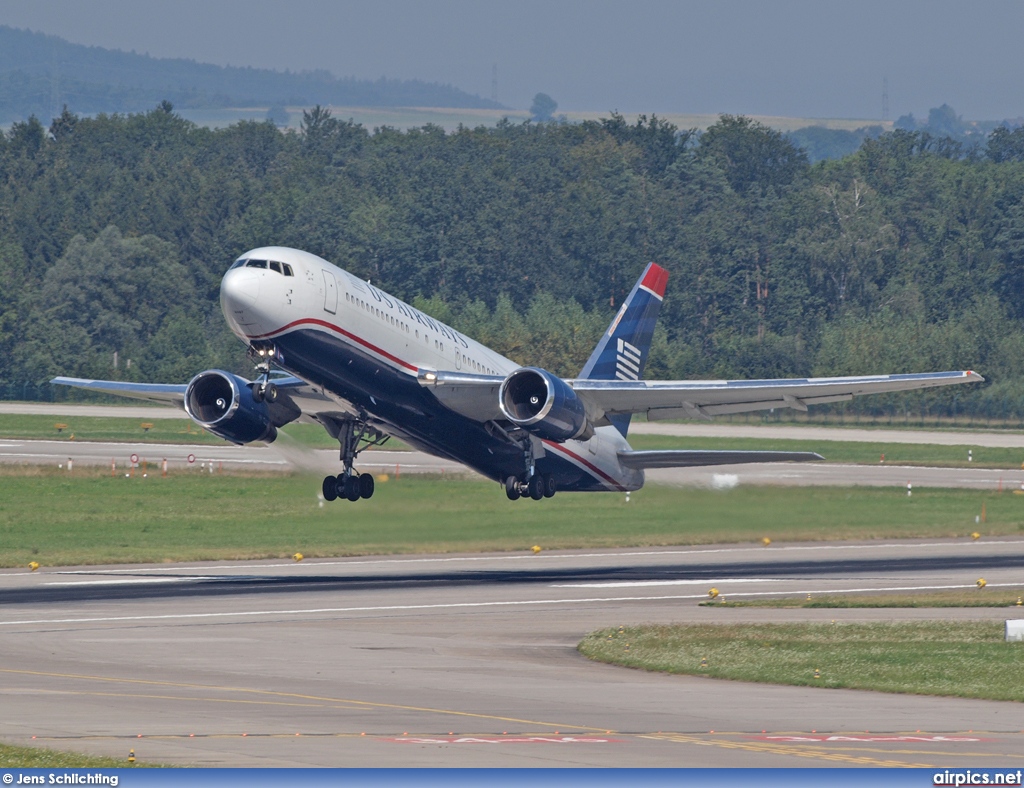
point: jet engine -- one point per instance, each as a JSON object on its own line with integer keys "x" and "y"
{"x": 544, "y": 405}
{"x": 223, "y": 404}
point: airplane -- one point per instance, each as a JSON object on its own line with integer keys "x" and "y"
{"x": 332, "y": 349}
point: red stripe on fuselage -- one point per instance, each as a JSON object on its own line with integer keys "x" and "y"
{"x": 324, "y": 324}
{"x": 589, "y": 465}
{"x": 655, "y": 280}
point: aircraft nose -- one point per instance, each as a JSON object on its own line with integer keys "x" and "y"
{"x": 239, "y": 290}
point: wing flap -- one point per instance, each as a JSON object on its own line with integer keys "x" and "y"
{"x": 683, "y": 458}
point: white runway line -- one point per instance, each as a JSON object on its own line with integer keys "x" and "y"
{"x": 462, "y": 605}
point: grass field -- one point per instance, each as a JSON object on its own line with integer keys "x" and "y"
{"x": 851, "y": 452}
{"x": 40, "y": 758}
{"x": 451, "y": 118}
{"x": 55, "y": 518}
{"x": 960, "y": 659}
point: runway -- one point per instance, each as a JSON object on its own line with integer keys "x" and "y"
{"x": 469, "y": 660}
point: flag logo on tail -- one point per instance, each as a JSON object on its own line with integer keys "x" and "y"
{"x": 627, "y": 361}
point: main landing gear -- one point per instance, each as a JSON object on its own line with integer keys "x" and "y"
{"x": 537, "y": 486}
{"x": 350, "y": 484}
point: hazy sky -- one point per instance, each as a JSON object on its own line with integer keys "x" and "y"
{"x": 808, "y": 58}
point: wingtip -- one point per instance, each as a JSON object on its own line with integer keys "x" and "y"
{"x": 974, "y": 376}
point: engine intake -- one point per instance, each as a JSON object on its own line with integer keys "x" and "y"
{"x": 543, "y": 404}
{"x": 223, "y": 404}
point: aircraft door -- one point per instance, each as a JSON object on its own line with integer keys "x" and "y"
{"x": 330, "y": 293}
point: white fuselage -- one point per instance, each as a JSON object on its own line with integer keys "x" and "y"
{"x": 266, "y": 304}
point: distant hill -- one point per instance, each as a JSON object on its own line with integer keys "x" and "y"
{"x": 40, "y": 73}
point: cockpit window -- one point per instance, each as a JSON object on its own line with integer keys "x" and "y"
{"x": 287, "y": 269}
{"x": 274, "y": 266}
{"x": 256, "y": 264}
{"x": 238, "y": 263}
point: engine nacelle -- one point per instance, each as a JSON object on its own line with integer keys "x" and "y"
{"x": 543, "y": 404}
{"x": 223, "y": 404}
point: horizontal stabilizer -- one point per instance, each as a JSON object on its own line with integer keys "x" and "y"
{"x": 639, "y": 460}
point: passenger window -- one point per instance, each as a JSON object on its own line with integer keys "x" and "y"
{"x": 287, "y": 269}
{"x": 256, "y": 264}
{"x": 275, "y": 267}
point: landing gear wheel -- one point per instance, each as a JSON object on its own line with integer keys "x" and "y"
{"x": 330, "y": 488}
{"x": 352, "y": 488}
{"x": 270, "y": 392}
{"x": 512, "y": 488}
{"x": 536, "y": 487}
{"x": 257, "y": 392}
{"x": 366, "y": 485}
{"x": 549, "y": 486}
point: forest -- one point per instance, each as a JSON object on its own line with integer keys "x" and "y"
{"x": 906, "y": 255}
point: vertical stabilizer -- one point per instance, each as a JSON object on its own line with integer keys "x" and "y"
{"x": 622, "y": 352}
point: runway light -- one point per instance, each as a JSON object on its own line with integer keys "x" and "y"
{"x": 1020, "y": 601}
{"x": 703, "y": 662}
{"x": 33, "y": 565}
{"x": 975, "y": 535}
{"x": 131, "y": 756}
{"x": 981, "y": 582}
{"x": 817, "y": 673}
{"x": 808, "y": 596}
{"x": 536, "y": 549}
{"x": 298, "y": 557}
{"x": 766, "y": 541}
{"x": 713, "y": 593}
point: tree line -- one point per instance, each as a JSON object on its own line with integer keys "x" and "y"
{"x": 903, "y": 256}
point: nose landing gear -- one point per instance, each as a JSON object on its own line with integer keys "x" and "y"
{"x": 263, "y": 356}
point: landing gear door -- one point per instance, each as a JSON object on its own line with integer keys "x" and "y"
{"x": 330, "y": 293}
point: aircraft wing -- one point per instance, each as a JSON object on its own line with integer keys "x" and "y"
{"x": 172, "y": 394}
{"x": 476, "y": 396}
{"x": 295, "y": 396}
{"x": 706, "y": 398}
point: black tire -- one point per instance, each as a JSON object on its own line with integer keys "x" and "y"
{"x": 550, "y": 488}
{"x": 257, "y": 392}
{"x": 366, "y": 485}
{"x": 536, "y": 487}
{"x": 270, "y": 393}
{"x": 512, "y": 488}
{"x": 352, "y": 488}
{"x": 330, "y": 488}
